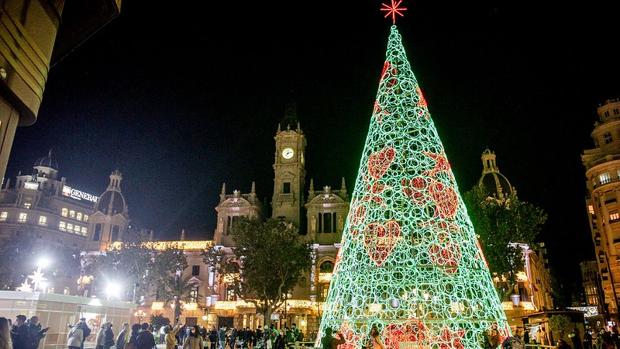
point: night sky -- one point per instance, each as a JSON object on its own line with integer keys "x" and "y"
{"x": 181, "y": 99}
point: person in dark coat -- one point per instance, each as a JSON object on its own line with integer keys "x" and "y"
{"x": 213, "y": 338}
{"x": 85, "y": 330}
{"x": 280, "y": 341}
{"x": 123, "y": 336}
{"x": 108, "y": 339}
{"x": 145, "y": 339}
{"x": 19, "y": 332}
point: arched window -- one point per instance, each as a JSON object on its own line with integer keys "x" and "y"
{"x": 326, "y": 267}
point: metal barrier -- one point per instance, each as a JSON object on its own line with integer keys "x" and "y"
{"x": 538, "y": 346}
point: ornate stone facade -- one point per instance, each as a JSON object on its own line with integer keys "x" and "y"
{"x": 602, "y": 165}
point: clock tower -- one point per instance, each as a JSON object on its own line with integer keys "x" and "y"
{"x": 289, "y": 169}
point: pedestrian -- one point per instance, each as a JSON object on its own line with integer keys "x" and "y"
{"x": 135, "y": 330}
{"x": 194, "y": 340}
{"x": 526, "y": 336}
{"x": 221, "y": 336}
{"x": 541, "y": 336}
{"x": 233, "y": 338}
{"x": 19, "y": 332}
{"x": 108, "y": 341}
{"x": 145, "y": 339}
{"x": 100, "y": 340}
{"x": 5, "y": 334}
{"x": 123, "y": 336}
{"x": 75, "y": 337}
{"x": 35, "y": 333}
{"x": 329, "y": 342}
{"x": 85, "y": 330}
{"x": 162, "y": 334}
{"x": 280, "y": 342}
{"x": 375, "y": 338}
{"x": 587, "y": 340}
{"x": 171, "y": 336}
{"x": 213, "y": 338}
{"x": 492, "y": 337}
{"x": 514, "y": 342}
{"x": 576, "y": 339}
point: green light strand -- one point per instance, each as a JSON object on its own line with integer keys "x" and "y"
{"x": 409, "y": 263}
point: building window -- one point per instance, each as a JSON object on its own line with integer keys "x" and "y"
{"x": 62, "y": 226}
{"x": 72, "y": 214}
{"x": 320, "y": 223}
{"x": 84, "y": 231}
{"x": 607, "y": 138}
{"x": 327, "y": 224}
{"x": 606, "y": 113}
{"x": 334, "y": 222}
{"x": 616, "y": 111}
{"x": 23, "y": 217}
{"x": 326, "y": 267}
{"x": 3, "y": 216}
{"x": 64, "y": 212}
{"x": 27, "y": 205}
{"x": 43, "y": 221}
{"x": 286, "y": 187}
{"x": 76, "y": 229}
{"x": 85, "y": 218}
{"x": 604, "y": 178}
{"x": 195, "y": 270}
{"x": 591, "y": 209}
{"x": 115, "y": 233}
{"x": 78, "y": 216}
{"x": 97, "y": 234}
{"x": 232, "y": 221}
{"x": 69, "y": 227}
{"x": 614, "y": 216}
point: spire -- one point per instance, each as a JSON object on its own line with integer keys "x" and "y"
{"x": 115, "y": 181}
{"x": 489, "y": 164}
{"x": 343, "y": 185}
{"x": 223, "y": 192}
{"x": 152, "y": 235}
{"x": 311, "y": 190}
{"x": 253, "y": 190}
{"x": 182, "y": 234}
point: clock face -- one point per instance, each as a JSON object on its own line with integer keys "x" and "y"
{"x": 288, "y": 153}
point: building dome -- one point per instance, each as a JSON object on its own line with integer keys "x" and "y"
{"x": 492, "y": 181}
{"x": 47, "y": 161}
{"x": 111, "y": 203}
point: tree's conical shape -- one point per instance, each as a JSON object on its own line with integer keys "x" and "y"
{"x": 409, "y": 263}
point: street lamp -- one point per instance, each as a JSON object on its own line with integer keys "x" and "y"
{"x": 140, "y": 314}
{"x": 113, "y": 290}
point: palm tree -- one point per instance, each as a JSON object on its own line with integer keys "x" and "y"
{"x": 174, "y": 289}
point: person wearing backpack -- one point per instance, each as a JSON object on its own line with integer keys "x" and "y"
{"x": 75, "y": 337}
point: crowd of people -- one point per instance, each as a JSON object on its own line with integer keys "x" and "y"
{"x": 23, "y": 334}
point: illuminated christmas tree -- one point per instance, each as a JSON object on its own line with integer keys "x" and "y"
{"x": 409, "y": 262}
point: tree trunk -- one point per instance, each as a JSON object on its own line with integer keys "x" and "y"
{"x": 267, "y": 316}
{"x": 177, "y": 309}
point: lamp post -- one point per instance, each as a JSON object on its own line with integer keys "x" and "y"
{"x": 140, "y": 314}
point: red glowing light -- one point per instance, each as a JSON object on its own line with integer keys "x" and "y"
{"x": 393, "y": 9}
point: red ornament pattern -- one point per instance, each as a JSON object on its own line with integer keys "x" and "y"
{"x": 380, "y": 239}
{"x": 447, "y": 255}
{"x": 449, "y": 339}
{"x": 380, "y": 161}
{"x": 413, "y": 331}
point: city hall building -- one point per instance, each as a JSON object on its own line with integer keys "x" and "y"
{"x": 320, "y": 212}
